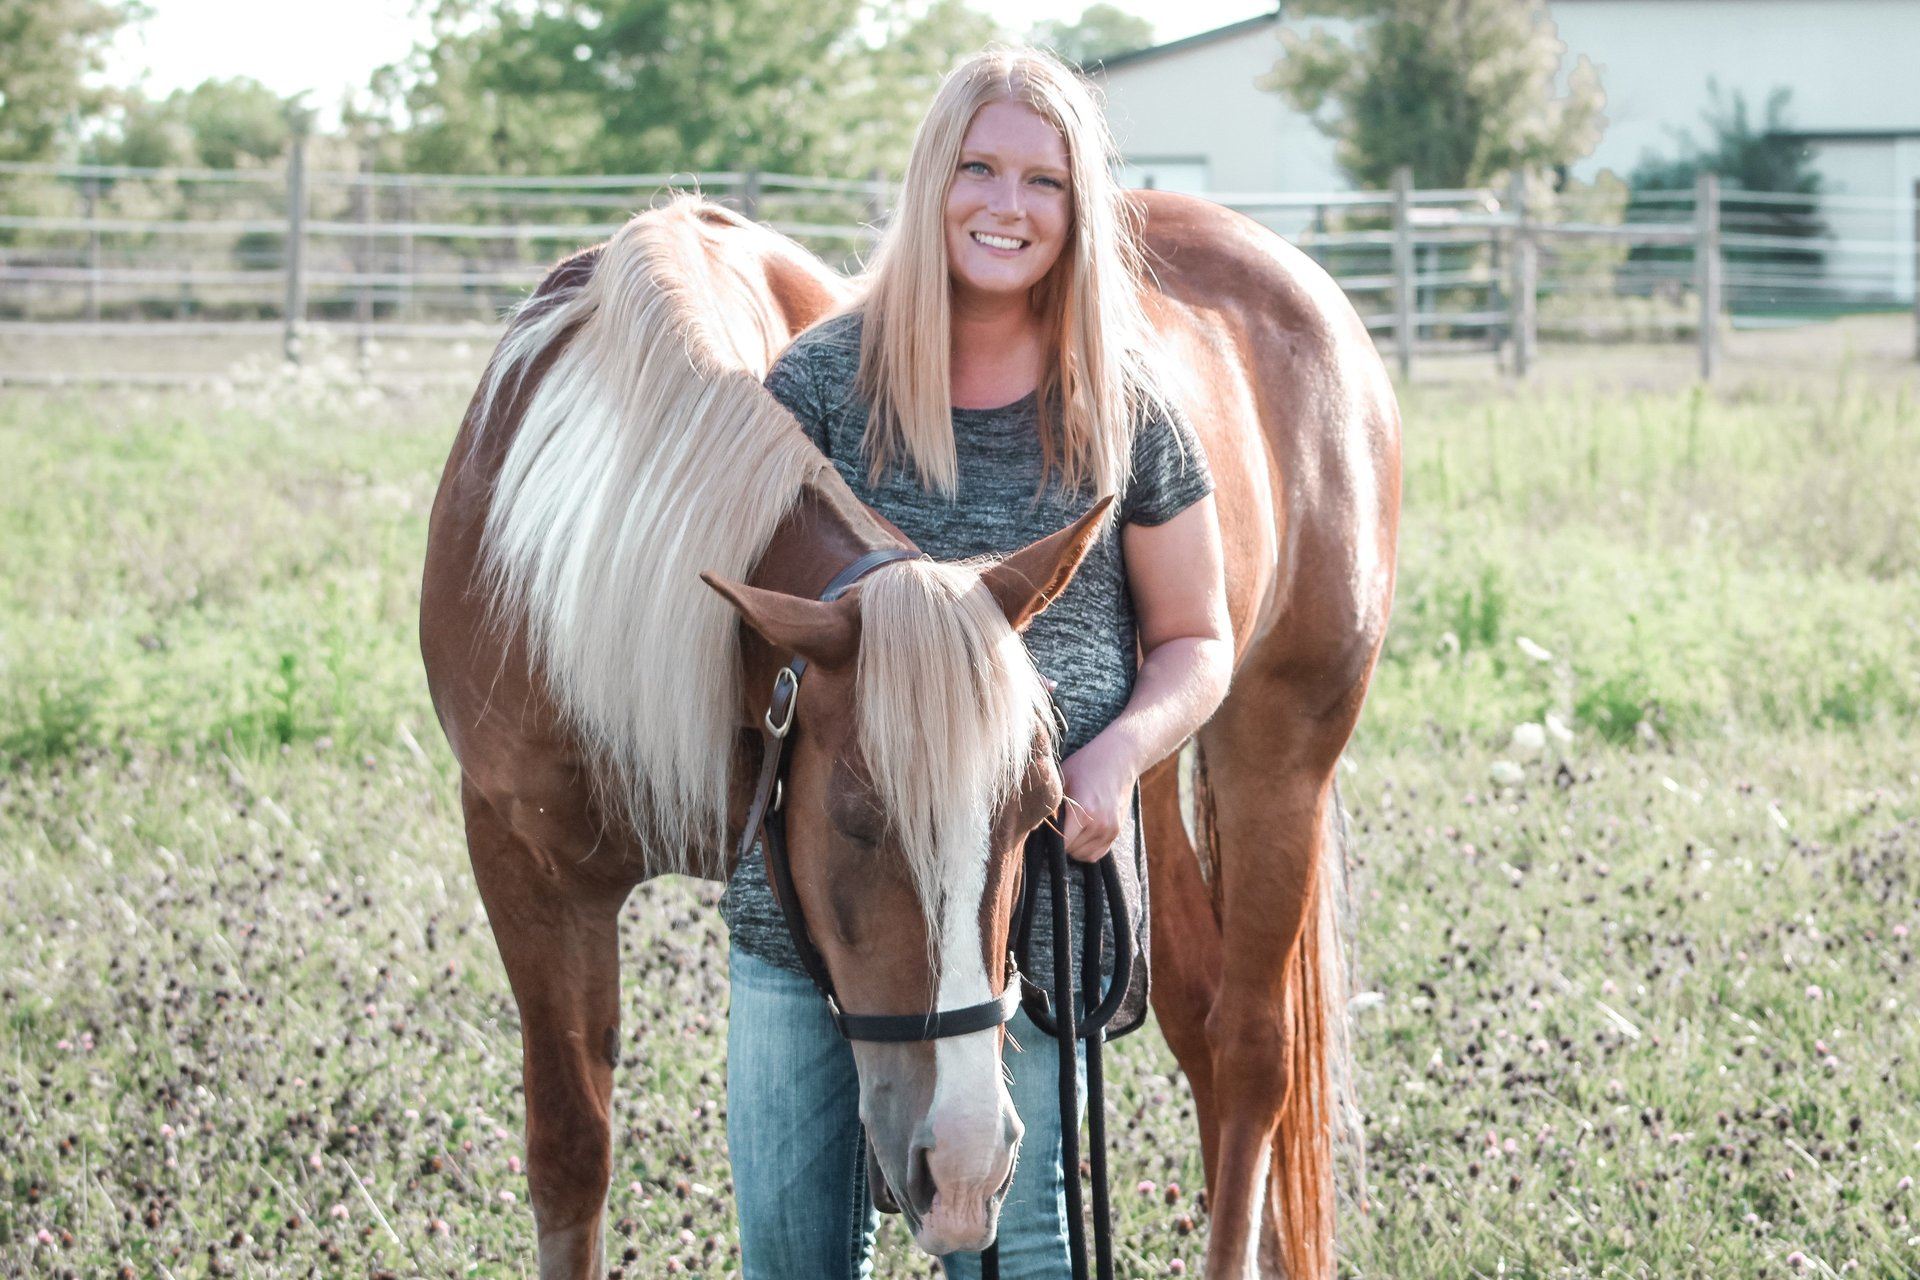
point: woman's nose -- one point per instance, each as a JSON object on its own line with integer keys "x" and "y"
{"x": 1005, "y": 198}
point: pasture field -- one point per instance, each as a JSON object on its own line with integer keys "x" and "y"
{"x": 1638, "y": 984}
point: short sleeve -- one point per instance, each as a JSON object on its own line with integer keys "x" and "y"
{"x": 1170, "y": 471}
{"x": 789, "y": 382}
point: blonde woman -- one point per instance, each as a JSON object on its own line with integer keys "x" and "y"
{"x": 995, "y": 378}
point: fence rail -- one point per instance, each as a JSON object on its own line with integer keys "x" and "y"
{"x": 97, "y": 250}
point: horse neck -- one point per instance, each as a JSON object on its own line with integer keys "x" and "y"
{"x": 801, "y": 289}
{"x": 826, "y": 530}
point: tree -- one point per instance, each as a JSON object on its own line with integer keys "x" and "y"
{"x": 1462, "y": 91}
{"x": 217, "y": 124}
{"x": 234, "y": 123}
{"x": 613, "y": 86}
{"x": 1763, "y": 158}
{"x": 1766, "y": 158}
{"x": 893, "y": 77}
{"x": 47, "y": 50}
{"x": 1100, "y": 32}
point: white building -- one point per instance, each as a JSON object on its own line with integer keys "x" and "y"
{"x": 1187, "y": 114}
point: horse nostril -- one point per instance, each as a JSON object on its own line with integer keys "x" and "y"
{"x": 920, "y": 1178}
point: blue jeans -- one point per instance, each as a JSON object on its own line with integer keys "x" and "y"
{"x": 799, "y": 1163}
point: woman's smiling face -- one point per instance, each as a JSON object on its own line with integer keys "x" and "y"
{"x": 1009, "y": 208}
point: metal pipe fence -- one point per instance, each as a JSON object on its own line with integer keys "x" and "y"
{"x": 97, "y": 251}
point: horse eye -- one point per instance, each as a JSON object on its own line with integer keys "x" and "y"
{"x": 859, "y": 822}
{"x": 864, "y": 841}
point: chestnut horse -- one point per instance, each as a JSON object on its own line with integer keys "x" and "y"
{"x": 605, "y": 706}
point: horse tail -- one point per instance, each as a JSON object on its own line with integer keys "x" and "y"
{"x": 1320, "y": 1103}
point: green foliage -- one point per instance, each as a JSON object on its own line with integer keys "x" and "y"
{"x": 50, "y": 720}
{"x": 1478, "y": 610}
{"x": 48, "y": 49}
{"x": 1615, "y": 706}
{"x": 623, "y": 86}
{"x": 218, "y": 124}
{"x": 1462, "y": 91}
{"x": 1102, "y": 31}
{"x": 234, "y": 123}
{"x": 1748, "y": 156}
{"x": 1674, "y": 555}
{"x": 1610, "y": 1008}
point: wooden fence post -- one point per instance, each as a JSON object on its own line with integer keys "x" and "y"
{"x": 1526, "y": 280}
{"x": 90, "y": 203}
{"x": 363, "y": 251}
{"x": 1403, "y": 315}
{"x": 294, "y": 312}
{"x": 750, "y": 196}
{"x": 876, "y": 204}
{"x": 408, "y": 253}
{"x": 1916, "y": 269}
{"x": 1707, "y": 270}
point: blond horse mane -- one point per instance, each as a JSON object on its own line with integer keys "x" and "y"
{"x": 650, "y": 451}
{"x": 949, "y": 705}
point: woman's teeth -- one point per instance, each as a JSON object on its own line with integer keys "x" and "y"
{"x": 998, "y": 242}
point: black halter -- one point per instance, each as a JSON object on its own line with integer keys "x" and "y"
{"x": 1068, "y": 1016}
{"x": 764, "y": 826}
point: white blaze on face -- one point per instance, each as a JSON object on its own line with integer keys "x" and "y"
{"x": 971, "y": 1118}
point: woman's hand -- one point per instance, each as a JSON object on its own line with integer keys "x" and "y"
{"x": 1098, "y": 782}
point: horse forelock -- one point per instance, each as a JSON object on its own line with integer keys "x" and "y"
{"x": 948, "y": 703}
{"x": 647, "y": 452}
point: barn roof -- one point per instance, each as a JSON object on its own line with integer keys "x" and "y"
{"x": 1186, "y": 42}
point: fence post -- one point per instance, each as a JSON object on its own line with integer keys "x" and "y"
{"x": 294, "y": 312}
{"x": 750, "y": 196}
{"x": 1916, "y": 269}
{"x": 1707, "y": 270}
{"x": 1403, "y": 319}
{"x": 876, "y": 204}
{"x": 90, "y": 202}
{"x": 408, "y": 253}
{"x": 363, "y": 256}
{"x": 1526, "y": 280}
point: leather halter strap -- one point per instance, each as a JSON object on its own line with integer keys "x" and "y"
{"x": 762, "y": 824}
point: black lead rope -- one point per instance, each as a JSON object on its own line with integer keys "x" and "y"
{"x": 1102, "y": 894}
{"x": 1100, "y": 889}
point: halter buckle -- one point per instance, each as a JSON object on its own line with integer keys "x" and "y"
{"x": 786, "y": 677}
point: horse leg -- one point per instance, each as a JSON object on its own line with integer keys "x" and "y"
{"x": 1272, "y": 1026}
{"x": 558, "y": 934}
{"x": 1186, "y": 945}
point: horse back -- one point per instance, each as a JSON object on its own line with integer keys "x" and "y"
{"x": 1297, "y": 415}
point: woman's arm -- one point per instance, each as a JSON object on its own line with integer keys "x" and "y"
{"x": 1176, "y": 574}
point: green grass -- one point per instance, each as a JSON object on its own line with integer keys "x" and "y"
{"x": 252, "y": 1022}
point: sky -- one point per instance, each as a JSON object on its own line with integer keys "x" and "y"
{"x": 330, "y": 47}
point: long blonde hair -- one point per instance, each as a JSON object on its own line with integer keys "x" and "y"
{"x": 1100, "y": 377}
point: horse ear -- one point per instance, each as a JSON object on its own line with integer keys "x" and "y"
{"x": 826, "y": 634}
{"x": 1027, "y": 581}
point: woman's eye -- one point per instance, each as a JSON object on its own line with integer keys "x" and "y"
{"x": 972, "y": 165}
{"x": 1055, "y": 183}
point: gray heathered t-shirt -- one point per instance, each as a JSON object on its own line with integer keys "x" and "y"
{"x": 1084, "y": 641}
